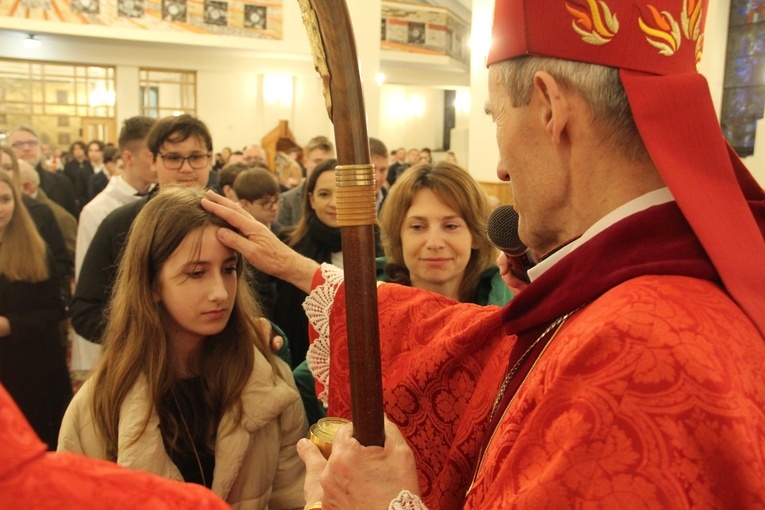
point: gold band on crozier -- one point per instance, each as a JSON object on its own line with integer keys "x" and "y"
{"x": 356, "y": 204}
{"x": 313, "y": 506}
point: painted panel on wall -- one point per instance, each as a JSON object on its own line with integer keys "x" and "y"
{"x": 262, "y": 19}
{"x": 423, "y": 29}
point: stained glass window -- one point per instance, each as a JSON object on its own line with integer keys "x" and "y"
{"x": 744, "y": 86}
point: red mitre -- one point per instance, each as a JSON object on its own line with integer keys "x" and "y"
{"x": 656, "y": 45}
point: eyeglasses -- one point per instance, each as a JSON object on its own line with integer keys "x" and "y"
{"x": 175, "y": 161}
{"x": 267, "y": 203}
{"x": 27, "y": 143}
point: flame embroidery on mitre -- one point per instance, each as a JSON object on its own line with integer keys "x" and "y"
{"x": 664, "y": 35}
{"x": 690, "y": 18}
{"x": 594, "y": 27}
{"x": 699, "y": 49}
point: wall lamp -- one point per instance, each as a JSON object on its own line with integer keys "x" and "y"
{"x": 31, "y": 42}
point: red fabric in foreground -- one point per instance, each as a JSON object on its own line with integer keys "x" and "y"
{"x": 30, "y": 477}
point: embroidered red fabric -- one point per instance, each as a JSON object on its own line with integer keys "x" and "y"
{"x": 650, "y": 396}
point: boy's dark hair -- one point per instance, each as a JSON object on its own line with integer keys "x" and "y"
{"x": 177, "y": 129}
{"x": 255, "y": 183}
{"x": 377, "y": 148}
{"x": 134, "y": 129}
{"x": 80, "y": 144}
{"x": 111, "y": 153}
{"x": 227, "y": 174}
{"x": 97, "y": 142}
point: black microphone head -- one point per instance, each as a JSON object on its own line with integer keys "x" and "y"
{"x": 502, "y": 228}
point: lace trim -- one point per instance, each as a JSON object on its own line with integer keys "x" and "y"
{"x": 317, "y": 307}
{"x": 407, "y": 501}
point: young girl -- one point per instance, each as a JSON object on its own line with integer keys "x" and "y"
{"x": 32, "y": 358}
{"x": 188, "y": 387}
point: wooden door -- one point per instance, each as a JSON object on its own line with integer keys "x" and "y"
{"x": 99, "y": 128}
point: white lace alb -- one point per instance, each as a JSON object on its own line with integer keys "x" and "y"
{"x": 317, "y": 306}
{"x": 407, "y": 501}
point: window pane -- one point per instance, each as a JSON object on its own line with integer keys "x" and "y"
{"x": 15, "y": 89}
{"x": 53, "y": 97}
{"x": 165, "y": 92}
{"x": 59, "y": 71}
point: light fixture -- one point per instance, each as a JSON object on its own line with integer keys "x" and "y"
{"x": 101, "y": 97}
{"x": 462, "y": 101}
{"x": 31, "y": 42}
{"x": 277, "y": 90}
{"x": 415, "y": 106}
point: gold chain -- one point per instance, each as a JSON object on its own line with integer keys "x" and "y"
{"x": 506, "y": 381}
{"x": 557, "y": 324}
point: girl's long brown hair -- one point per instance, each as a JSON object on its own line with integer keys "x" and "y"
{"x": 23, "y": 253}
{"x": 135, "y": 342}
{"x": 456, "y": 188}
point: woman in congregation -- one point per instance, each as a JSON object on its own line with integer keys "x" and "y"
{"x": 187, "y": 387}
{"x": 316, "y": 236}
{"x": 433, "y": 230}
{"x": 32, "y": 357}
{"x": 287, "y": 170}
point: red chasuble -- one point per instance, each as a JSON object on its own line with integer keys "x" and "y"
{"x": 651, "y": 395}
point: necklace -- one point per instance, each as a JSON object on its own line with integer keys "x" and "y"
{"x": 556, "y": 324}
{"x": 191, "y": 440}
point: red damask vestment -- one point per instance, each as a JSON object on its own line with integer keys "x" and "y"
{"x": 651, "y": 395}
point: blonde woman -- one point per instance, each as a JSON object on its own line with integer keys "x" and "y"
{"x": 288, "y": 171}
{"x": 188, "y": 387}
{"x": 32, "y": 358}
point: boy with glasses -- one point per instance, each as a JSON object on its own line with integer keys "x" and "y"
{"x": 181, "y": 149}
{"x": 258, "y": 193}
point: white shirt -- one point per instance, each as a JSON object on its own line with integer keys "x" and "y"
{"x": 116, "y": 194}
{"x": 641, "y": 203}
{"x": 337, "y": 259}
{"x": 100, "y": 169}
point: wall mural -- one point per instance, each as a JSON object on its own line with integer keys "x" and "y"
{"x": 245, "y": 18}
{"x": 424, "y": 29}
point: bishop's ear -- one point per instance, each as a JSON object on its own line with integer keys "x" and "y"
{"x": 553, "y": 103}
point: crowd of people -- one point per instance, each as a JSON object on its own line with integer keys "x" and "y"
{"x": 627, "y": 373}
{"x": 75, "y": 308}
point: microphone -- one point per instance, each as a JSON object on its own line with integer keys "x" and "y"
{"x": 502, "y": 228}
